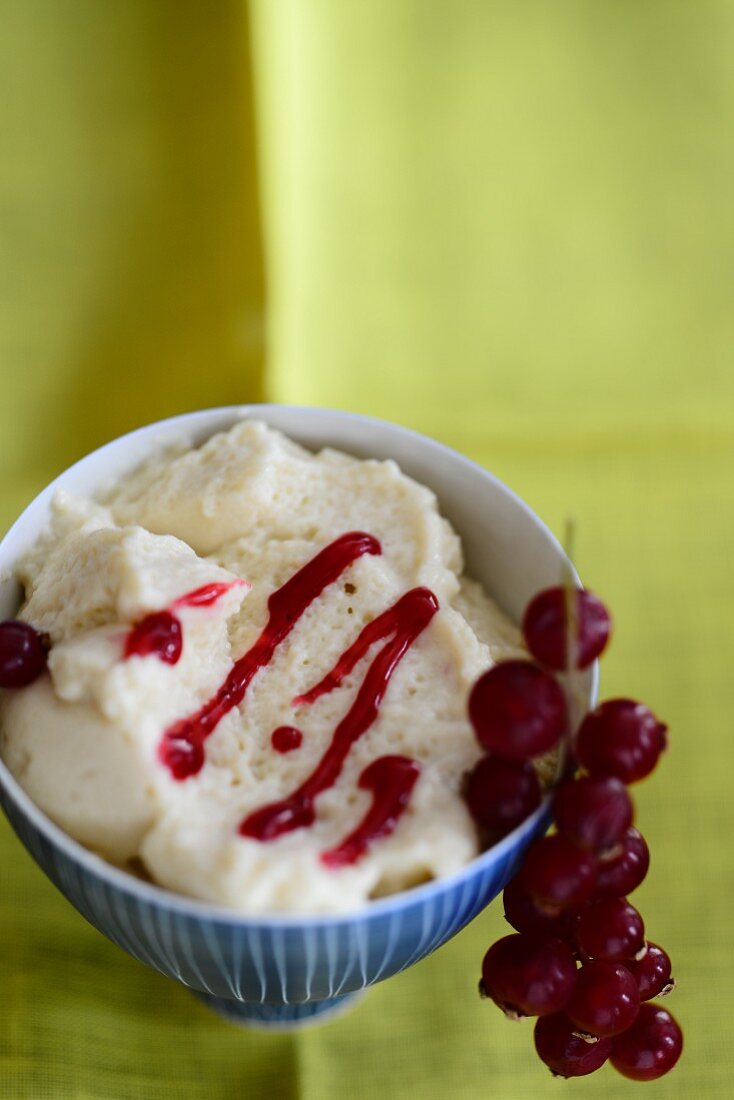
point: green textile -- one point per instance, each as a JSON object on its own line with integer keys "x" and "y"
{"x": 508, "y": 225}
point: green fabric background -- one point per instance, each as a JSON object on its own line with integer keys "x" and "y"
{"x": 506, "y": 224}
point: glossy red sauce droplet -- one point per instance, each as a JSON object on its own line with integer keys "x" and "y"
{"x": 391, "y": 780}
{"x": 182, "y": 746}
{"x": 286, "y": 739}
{"x": 158, "y": 635}
{"x": 400, "y": 624}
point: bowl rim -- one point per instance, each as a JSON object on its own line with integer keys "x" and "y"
{"x": 195, "y": 908}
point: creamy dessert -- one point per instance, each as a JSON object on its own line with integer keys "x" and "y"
{"x": 258, "y": 676}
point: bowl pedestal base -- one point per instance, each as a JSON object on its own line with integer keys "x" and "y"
{"x": 280, "y": 1017}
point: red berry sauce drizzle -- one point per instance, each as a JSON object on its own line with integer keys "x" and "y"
{"x": 182, "y": 747}
{"x": 569, "y": 895}
{"x": 401, "y": 624}
{"x": 159, "y": 634}
{"x": 390, "y": 779}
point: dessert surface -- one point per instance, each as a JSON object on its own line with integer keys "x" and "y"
{"x": 258, "y": 677}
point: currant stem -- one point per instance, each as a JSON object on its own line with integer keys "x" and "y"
{"x": 574, "y": 701}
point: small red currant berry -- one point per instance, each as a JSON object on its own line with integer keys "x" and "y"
{"x": 22, "y": 654}
{"x": 528, "y": 975}
{"x": 500, "y": 794}
{"x": 651, "y": 1046}
{"x": 557, "y": 874}
{"x": 564, "y": 1051}
{"x": 652, "y": 973}
{"x": 517, "y": 710}
{"x": 620, "y": 738}
{"x": 605, "y": 1000}
{"x": 623, "y": 870}
{"x": 593, "y": 813}
{"x": 545, "y": 627}
{"x": 610, "y": 928}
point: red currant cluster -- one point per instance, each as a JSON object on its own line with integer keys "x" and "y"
{"x": 568, "y": 903}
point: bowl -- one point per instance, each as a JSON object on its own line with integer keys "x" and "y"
{"x": 283, "y": 971}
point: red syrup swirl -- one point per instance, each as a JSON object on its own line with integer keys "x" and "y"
{"x": 391, "y": 780}
{"x": 400, "y": 624}
{"x": 182, "y": 746}
{"x": 159, "y": 634}
{"x": 286, "y": 739}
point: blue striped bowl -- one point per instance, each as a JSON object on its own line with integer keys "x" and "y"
{"x": 284, "y": 971}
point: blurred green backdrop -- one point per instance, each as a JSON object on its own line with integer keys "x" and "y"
{"x": 508, "y": 225}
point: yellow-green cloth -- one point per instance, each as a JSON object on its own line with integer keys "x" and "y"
{"x": 506, "y": 224}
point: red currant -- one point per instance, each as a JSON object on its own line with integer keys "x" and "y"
{"x": 517, "y": 710}
{"x": 621, "y": 738}
{"x": 568, "y": 902}
{"x": 594, "y": 813}
{"x": 525, "y": 916}
{"x": 502, "y": 793}
{"x": 528, "y": 975}
{"x": 557, "y": 874}
{"x": 610, "y": 928}
{"x": 605, "y": 1000}
{"x": 652, "y": 972}
{"x": 22, "y": 654}
{"x": 545, "y": 627}
{"x": 651, "y": 1046}
{"x": 624, "y": 869}
{"x": 564, "y": 1051}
